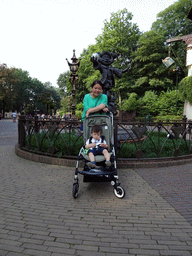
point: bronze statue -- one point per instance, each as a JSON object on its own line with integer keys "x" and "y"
{"x": 102, "y": 62}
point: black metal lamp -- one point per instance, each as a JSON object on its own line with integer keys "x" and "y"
{"x": 74, "y": 66}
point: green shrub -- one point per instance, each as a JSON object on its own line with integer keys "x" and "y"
{"x": 148, "y": 149}
{"x": 69, "y": 144}
{"x": 128, "y": 150}
{"x": 132, "y": 103}
{"x": 150, "y": 103}
{"x": 78, "y": 114}
{"x": 185, "y": 88}
{"x": 167, "y": 103}
{"x": 166, "y": 118}
{"x": 64, "y": 144}
{"x": 170, "y": 102}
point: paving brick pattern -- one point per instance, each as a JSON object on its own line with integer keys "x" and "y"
{"x": 38, "y": 215}
{"x": 174, "y": 184}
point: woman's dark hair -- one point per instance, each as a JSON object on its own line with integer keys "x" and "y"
{"x": 96, "y": 128}
{"x": 97, "y": 82}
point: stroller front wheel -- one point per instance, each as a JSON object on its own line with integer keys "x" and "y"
{"x": 119, "y": 192}
{"x": 75, "y": 190}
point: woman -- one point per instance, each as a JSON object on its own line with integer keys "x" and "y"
{"x": 94, "y": 101}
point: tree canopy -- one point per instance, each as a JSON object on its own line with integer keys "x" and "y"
{"x": 173, "y": 21}
{"x": 18, "y": 91}
{"x": 147, "y": 75}
{"x": 142, "y": 53}
{"x": 7, "y": 88}
{"x": 150, "y": 73}
{"x": 120, "y": 36}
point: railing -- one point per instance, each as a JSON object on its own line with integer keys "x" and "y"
{"x": 136, "y": 139}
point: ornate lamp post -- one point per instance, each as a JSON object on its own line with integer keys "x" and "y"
{"x": 73, "y": 79}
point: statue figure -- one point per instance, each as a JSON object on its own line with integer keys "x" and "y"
{"x": 102, "y": 62}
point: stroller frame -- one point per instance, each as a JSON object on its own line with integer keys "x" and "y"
{"x": 101, "y": 173}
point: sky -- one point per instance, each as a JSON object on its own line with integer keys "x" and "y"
{"x": 38, "y": 35}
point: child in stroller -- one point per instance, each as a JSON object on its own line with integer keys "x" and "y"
{"x": 98, "y": 168}
{"x": 97, "y": 145}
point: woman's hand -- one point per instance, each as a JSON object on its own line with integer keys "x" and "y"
{"x": 88, "y": 112}
{"x": 105, "y": 109}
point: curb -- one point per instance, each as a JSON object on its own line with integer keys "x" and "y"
{"x": 121, "y": 163}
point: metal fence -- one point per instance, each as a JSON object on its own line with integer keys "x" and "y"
{"x": 133, "y": 139}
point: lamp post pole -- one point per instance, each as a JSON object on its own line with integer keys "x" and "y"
{"x": 177, "y": 79}
{"x": 73, "y": 79}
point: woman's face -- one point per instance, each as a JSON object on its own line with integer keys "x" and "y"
{"x": 96, "y": 90}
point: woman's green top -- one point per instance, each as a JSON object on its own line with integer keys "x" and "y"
{"x": 89, "y": 102}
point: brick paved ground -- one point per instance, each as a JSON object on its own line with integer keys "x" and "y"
{"x": 174, "y": 184}
{"x": 38, "y": 215}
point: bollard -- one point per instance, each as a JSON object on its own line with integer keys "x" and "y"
{"x": 21, "y": 130}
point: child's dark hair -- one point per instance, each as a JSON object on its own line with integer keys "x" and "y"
{"x": 96, "y": 128}
{"x": 97, "y": 82}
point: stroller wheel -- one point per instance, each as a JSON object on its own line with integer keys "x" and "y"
{"x": 119, "y": 192}
{"x": 75, "y": 190}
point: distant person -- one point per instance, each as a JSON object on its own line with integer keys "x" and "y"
{"x": 14, "y": 115}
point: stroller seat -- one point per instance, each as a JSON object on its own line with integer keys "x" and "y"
{"x": 107, "y": 130}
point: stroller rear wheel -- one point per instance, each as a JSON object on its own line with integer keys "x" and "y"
{"x": 75, "y": 190}
{"x": 119, "y": 192}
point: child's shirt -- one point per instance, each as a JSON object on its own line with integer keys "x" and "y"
{"x": 97, "y": 142}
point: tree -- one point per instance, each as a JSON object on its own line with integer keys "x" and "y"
{"x": 55, "y": 96}
{"x": 86, "y": 73}
{"x": 173, "y": 22}
{"x": 132, "y": 103}
{"x": 7, "y": 88}
{"x": 170, "y": 102}
{"x": 28, "y": 90}
{"x": 23, "y": 89}
{"x": 150, "y": 100}
{"x": 185, "y": 88}
{"x": 150, "y": 73}
{"x": 48, "y": 99}
{"x": 120, "y": 36}
{"x": 63, "y": 83}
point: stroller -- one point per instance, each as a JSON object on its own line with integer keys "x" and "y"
{"x": 101, "y": 173}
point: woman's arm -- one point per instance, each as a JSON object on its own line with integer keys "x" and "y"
{"x": 96, "y": 109}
